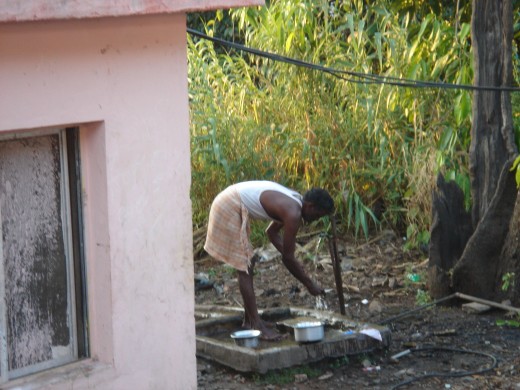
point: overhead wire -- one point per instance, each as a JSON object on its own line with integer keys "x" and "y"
{"x": 350, "y": 76}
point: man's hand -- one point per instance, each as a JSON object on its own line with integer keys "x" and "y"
{"x": 315, "y": 289}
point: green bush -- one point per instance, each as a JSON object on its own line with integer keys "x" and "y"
{"x": 377, "y": 148}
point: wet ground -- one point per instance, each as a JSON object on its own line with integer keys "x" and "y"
{"x": 442, "y": 346}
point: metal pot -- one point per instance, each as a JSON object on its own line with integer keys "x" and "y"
{"x": 306, "y": 332}
{"x": 246, "y": 338}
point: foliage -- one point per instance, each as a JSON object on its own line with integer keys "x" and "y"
{"x": 422, "y": 298}
{"x": 340, "y": 362}
{"x": 375, "y": 147}
{"x": 510, "y": 323}
{"x": 414, "y": 279}
{"x": 217, "y": 272}
{"x": 285, "y": 376}
{"x": 516, "y": 166}
{"x": 508, "y": 280}
{"x": 446, "y": 9}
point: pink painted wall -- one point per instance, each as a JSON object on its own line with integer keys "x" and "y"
{"x": 123, "y": 81}
{"x": 20, "y": 10}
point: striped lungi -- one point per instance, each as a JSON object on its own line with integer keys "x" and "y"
{"x": 227, "y": 239}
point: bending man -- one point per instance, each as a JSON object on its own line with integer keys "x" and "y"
{"x": 228, "y": 234}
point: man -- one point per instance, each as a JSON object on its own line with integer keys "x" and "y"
{"x": 228, "y": 234}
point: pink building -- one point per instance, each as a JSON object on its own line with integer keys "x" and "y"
{"x": 96, "y": 267}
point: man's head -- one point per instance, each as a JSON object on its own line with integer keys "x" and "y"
{"x": 317, "y": 203}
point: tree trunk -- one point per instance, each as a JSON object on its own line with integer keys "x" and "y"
{"x": 450, "y": 231}
{"x": 492, "y": 137}
{"x": 510, "y": 265}
{"x": 493, "y": 188}
{"x": 474, "y": 273}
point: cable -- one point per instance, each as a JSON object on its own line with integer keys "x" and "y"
{"x": 355, "y": 77}
{"x": 451, "y": 374}
{"x": 432, "y": 374}
{"x": 407, "y": 313}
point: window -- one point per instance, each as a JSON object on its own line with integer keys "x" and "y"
{"x": 42, "y": 306}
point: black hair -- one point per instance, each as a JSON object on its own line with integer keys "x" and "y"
{"x": 320, "y": 198}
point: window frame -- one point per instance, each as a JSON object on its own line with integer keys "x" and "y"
{"x": 72, "y": 230}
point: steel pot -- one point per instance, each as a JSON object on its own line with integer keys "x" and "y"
{"x": 306, "y": 332}
{"x": 246, "y": 338}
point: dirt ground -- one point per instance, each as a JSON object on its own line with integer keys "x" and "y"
{"x": 450, "y": 346}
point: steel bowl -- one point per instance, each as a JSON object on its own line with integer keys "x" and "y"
{"x": 308, "y": 332}
{"x": 246, "y": 338}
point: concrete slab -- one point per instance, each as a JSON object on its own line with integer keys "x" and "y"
{"x": 214, "y": 325}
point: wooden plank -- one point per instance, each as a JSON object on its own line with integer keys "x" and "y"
{"x": 486, "y": 302}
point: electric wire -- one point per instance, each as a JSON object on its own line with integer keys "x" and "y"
{"x": 349, "y": 76}
{"x": 457, "y": 374}
{"x": 408, "y": 312}
{"x": 434, "y": 348}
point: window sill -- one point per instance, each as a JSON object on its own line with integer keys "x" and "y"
{"x": 86, "y": 369}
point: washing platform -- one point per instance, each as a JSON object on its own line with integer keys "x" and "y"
{"x": 342, "y": 336}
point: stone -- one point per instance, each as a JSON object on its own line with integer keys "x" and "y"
{"x": 325, "y": 376}
{"x": 375, "y": 306}
{"x": 475, "y": 307}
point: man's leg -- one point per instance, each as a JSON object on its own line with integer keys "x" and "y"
{"x": 251, "y": 317}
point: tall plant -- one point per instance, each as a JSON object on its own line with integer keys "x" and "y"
{"x": 376, "y": 147}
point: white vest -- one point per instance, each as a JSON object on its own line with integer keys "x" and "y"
{"x": 250, "y": 192}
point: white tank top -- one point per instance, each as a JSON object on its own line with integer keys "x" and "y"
{"x": 250, "y": 192}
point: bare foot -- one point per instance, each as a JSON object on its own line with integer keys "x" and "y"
{"x": 267, "y": 331}
{"x": 271, "y": 335}
{"x": 270, "y": 324}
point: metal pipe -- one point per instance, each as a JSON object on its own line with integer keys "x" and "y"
{"x": 336, "y": 266}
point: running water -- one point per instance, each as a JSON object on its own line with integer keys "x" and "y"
{"x": 321, "y": 303}
{"x": 317, "y": 251}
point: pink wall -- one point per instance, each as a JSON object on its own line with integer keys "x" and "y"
{"x": 20, "y": 10}
{"x": 124, "y": 82}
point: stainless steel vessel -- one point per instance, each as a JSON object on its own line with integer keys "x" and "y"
{"x": 306, "y": 332}
{"x": 246, "y": 338}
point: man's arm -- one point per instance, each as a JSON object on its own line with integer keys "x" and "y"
{"x": 286, "y": 245}
{"x": 287, "y": 215}
{"x": 273, "y": 233}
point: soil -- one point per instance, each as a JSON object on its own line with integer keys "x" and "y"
{"x": 450, "y": 346}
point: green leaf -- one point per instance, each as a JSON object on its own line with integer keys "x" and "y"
{"x": 440, "y": 64}
{"x": 377, "y": 37}
{"x": 424, "y": 24}
{"x": 511, "y": 323}
{"x": 350, "y": 23}
{"x": 445, "y": 138}
{"x": 364, "y": 224}
{"x": 412, "y": 74}
{"x": 515, "y": 164}
{"x": 288, "y": 42}
{"x": 464, "y": 31}
{"x": 462, "y": 107}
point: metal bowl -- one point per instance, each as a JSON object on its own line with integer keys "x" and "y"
{"x": 246, "y": 338}
{"x": 308, "y": 332}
